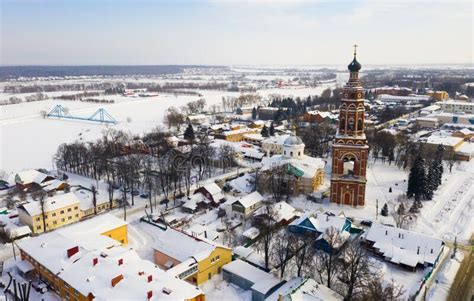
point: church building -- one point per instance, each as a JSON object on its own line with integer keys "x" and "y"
{"x": 350, "y": 149}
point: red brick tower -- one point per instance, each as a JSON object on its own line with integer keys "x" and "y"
{"x": 350, "y": 149}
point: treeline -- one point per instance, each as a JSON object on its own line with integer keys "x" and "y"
{"x": 293, "y": 107}
{"x": 56, "y": 87}
{"x": 78, "y": 96}
{"x": 31, "y": 98}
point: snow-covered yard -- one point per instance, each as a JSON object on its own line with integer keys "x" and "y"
{"x": 29, "y": 141}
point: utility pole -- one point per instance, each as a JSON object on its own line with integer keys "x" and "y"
{"x": 377, "y": 209}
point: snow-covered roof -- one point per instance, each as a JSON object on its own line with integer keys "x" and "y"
{"x": 87, "y": 278}
{"x": 251, "y": 199}
{"x": 467, "y": 148}
{"x": 193, "y": 201}
{"x": 52, "y": 203}
{"x": 293, "y": 140}
{"x": 214, "y": 189}
{"x": 307, "y": 164}
{"x": 279, "y": 140}
{"x": 282, "y": 210}
{"x": 404, "y": 246}
{"x": 182, "y": 246}
{"x": 251, "y": 233}
{"x": 304, "y": 289}
{"x": 444, "y": 140}
{"x": 321, "y": 221}
{"x": 30, "y": 176}
{"x": 249, "y": 255}
{"x": 262, "y": 281}
{"x": 202, "y": 232}
{"x": 238, "y": 131}
{"x": 52, "y": 184}
{"x": 86, "y": 198}
{"x": 83, "y": 231}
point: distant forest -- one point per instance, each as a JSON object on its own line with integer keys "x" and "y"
{"x": 12, "y": 72}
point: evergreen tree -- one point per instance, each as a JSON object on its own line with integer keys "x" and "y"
{"x": 438, "y": 165}
{"x": 384, "y": 211}
{"x": 417, "y": 179}
{"x": 431, "y": 182}
{"x": 254, "y": 113}
{"x": 189, "y": 133}
{"x": 264, "y": 131}
{"x": 272, "y": 130}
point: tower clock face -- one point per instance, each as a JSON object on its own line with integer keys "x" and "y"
{"x": 359, "y": 95}
{"x": 346, "y": 95}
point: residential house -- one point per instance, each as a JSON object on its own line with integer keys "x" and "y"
{"x": 249, "y": 277}
{"x": 247, "y": 205}
{"x": 404, "y": 247}
{"x": 29, "y": 178}
{"x": 320, "y": 225}
{"x": 59, "y": 210}
{"x": 190, "y": 258}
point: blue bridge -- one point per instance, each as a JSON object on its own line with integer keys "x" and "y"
{"x": 101, "y": 115}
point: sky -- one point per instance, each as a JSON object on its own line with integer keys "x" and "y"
{"x": 234, "y": 32}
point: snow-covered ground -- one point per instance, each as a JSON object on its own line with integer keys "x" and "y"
{"x": 29, "y": 141}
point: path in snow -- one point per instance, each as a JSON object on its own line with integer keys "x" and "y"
{"x": 451, "y": 212}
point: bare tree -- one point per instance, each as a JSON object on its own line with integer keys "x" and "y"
{"x": 282, "y": 250}
{"x": 40, "y": 196}
{"x": 303, "y": 248}
{"x": 357, "y": 272}
{"x": 401, "y": 214}
{"x": 326, "y": 265}
{"x": 377, "y": 290}
{"x": 267, "y": 229}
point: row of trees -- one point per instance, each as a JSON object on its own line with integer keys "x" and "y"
{"x": 425, "y": 176}
{"x": 148, "y": 164}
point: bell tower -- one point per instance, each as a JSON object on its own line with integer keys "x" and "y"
{"x": 350, "y": 149}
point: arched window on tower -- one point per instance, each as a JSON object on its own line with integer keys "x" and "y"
{"x": 360, "y": 124}
{"x": 350, "y": 124}
{"x": 348, "y": 163}
{"x": 342, "y": 124}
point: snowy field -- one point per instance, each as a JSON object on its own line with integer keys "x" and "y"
{"x": 29, "y": 141}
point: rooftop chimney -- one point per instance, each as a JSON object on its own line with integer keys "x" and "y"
{"x": 120, "y": 261}
{"x": 418, "y": 250}
{"x": 95, "y": 261}
{"x": 117, "y": 280}
{"x": 166, "y": 290}
{"x": 149, "y": 294}
{"x": 149, "y": 278}
{"x": 72, "y": 251}
{"x": 205, "y": 233}
{"x": 141, "y": 273}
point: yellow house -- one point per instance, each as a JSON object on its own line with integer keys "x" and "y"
{"x": 439, "y": 95}
{"x": 190, "y": 258}
{"x": 103, "y": 224}
{"x": 59, "y": 210}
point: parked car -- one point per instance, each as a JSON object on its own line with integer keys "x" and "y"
{"x": 135, "y": 192}
{"x": 164, "y": 201}
{"x": 144, "y": 195}
{"x": 366, "y": 223}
